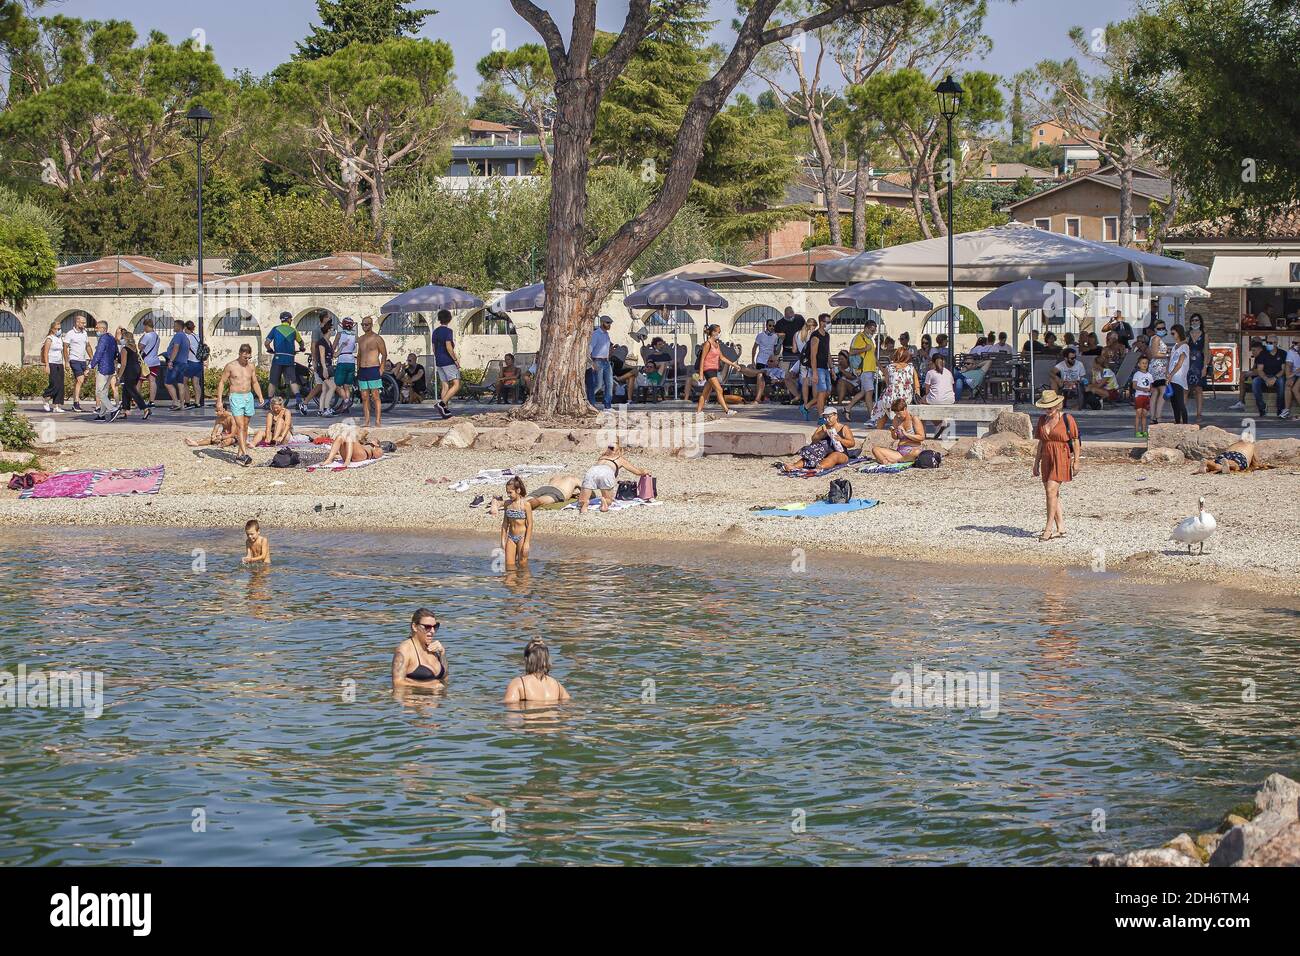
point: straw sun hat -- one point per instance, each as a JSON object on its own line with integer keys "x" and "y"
{"x": 1049, "y": 399}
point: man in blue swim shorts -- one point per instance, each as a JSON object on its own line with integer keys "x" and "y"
{"x": 371, "y": 354}
{"x": 241, "y": 376}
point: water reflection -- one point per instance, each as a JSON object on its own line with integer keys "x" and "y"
{"x": 712, "y": 700}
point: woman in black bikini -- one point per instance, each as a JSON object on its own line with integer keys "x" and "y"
{"x": 536, "y": 686}
{"x": 420, "y": 660}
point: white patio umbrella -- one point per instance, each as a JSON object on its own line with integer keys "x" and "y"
{"x": 709, "y": 270}
{"x": 881, "y": 294}
{"x": 1010, "y": 252}
{"x": 1029, "y": 294}
{"x": 531, "y": 298}
{"x": 431, "y": 298}
{"x": 675, "y": 293}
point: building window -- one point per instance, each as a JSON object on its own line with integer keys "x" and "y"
{"x": 9, "y": 325}
{"x": 484, "y": 322}
{"x": 753, "y": 318}
{"x": 851, "y": 319}
{"x": 968, "y": 323}
{"x": 1044, "y": 224}
{"x": 404, "y": 323}
{"x": 235, "y": 322}
{"x": 1110, "y": 228}
{"x": 1072, "y": 226}
{"x": 70, "y": 320}
{"x": 1141, "y": 227}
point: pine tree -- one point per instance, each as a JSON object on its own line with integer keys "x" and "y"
{"x": 360, "y": 21}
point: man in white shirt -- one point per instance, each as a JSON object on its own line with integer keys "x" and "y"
{"x": 74, "y": 341}
{"x": 765, "y": 343}
{"x": 1069, "y": 375}
{"x": 1003, "y": 345}
{"x": 602, "y": 371}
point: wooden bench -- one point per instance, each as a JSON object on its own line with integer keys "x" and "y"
{"x": 981, "y": 415}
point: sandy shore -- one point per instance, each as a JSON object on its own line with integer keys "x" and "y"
{"x": 984, "y": 513}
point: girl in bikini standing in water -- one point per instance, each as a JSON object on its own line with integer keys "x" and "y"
{"x": 516, "y": 524}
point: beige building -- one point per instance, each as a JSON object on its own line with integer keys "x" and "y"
{"x": 1087, "y": 205}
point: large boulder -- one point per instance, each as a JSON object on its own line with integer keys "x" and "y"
{"x": 1006, "y": 444}
{"x": 1017, "y": 423}
{"x": 15, "y": 457}
{"x": 1169, "y": 436}
{"x": 1193, "y": 441}
{"x": 1282, "y": 850}
{"x": 874, "y": 437}
{"x": 554, "y": 439}
{"x": 1163, "y": 456}
{"x": 523, "y": 433}
{"x": 1274, "y": 450}
{"x": 1240, "y": 843}
{"x": 1279, "y": 793}
{"x": 460, "y": 435}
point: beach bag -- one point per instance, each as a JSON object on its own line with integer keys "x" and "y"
{"x": 626, "y": 491}
{"x": 285, "y": 458}
{"x": 1093, "y": 401}
{"x": 647, "y": 487}
{"x": 928, "y": 459}
{"x": 21, "y": 482}
{"x": 840, "y": 493}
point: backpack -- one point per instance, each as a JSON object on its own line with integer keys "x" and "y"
{"x": 840, "y": 492}
{"x": 626, "y": 491}
{"x": 928, "y": 459}
{"x": 647, "y": 487}
{"x": 285, "y": 458}
{"x": 202, "y": 352}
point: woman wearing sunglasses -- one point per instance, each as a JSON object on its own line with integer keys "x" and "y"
{"x": 420, "y": 660}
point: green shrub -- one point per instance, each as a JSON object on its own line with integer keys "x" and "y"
{"x": 22, "y": 381}
{"x": 212, "y": 376}
{"x": 472, "y": 376}
{"x": 16, "y": 432}
{"x": 9, "y": 467}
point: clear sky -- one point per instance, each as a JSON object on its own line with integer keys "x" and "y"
{"x": 258, "y": 35}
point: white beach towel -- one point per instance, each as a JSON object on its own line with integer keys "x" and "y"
{"x": 499, "y": 476}
{"x": 616, "y": 505}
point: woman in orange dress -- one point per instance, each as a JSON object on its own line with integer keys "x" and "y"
{"x": 1057, "y": 458}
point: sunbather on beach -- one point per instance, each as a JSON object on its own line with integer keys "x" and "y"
{"x": 259, "y": 548}
{"x": 828, "y": 446}
{"x": 516, "y": 524}
{"x": 908, "y": 433}
{"x": 279, "y": 425}
{"x": 350, "y": 446}
{"x": 222, "y": 434}
{"x": 536, "y": 685}
{"x": 1239, "y": 456}
{"x": 560, "y": 489}
{"x": 420, "y": 660}
{"x": 602, "y": 477}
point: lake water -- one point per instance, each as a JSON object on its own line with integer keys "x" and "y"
{"x": 727, "y": 709}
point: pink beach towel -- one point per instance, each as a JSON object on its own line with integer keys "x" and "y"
{"x": 99, "y": 484}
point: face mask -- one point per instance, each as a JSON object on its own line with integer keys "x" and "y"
{"x": 1270, "y": 346}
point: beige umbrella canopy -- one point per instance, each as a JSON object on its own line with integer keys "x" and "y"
{"x": 1007, "y": 253}
{"x": 707, "y": 270}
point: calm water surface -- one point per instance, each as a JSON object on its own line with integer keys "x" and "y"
{"x": 226, "y": 693}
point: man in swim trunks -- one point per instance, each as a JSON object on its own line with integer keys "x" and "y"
{"x": 371, "y": 355}
{"x": 1239, "y": 456}
{"x": 241, "y": 376}
{"x": 560, "y": 489}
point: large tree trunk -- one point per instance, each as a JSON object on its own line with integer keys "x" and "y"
{"x": 575, "y": 288}
{"x": 861, "y": 180}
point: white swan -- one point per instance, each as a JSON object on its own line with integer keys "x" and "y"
{"x": 1195, "y": 530}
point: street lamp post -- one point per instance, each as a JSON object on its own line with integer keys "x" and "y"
{"x": 200, "y": 118}
{"x": 949, "y": 93}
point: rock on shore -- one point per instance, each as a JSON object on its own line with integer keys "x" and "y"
{"x": 1265, "y": 833}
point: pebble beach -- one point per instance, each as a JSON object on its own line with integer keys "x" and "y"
{"x": 976, "y": 511}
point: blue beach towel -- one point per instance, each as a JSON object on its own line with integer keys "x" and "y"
{"x": 818, "y": 509}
